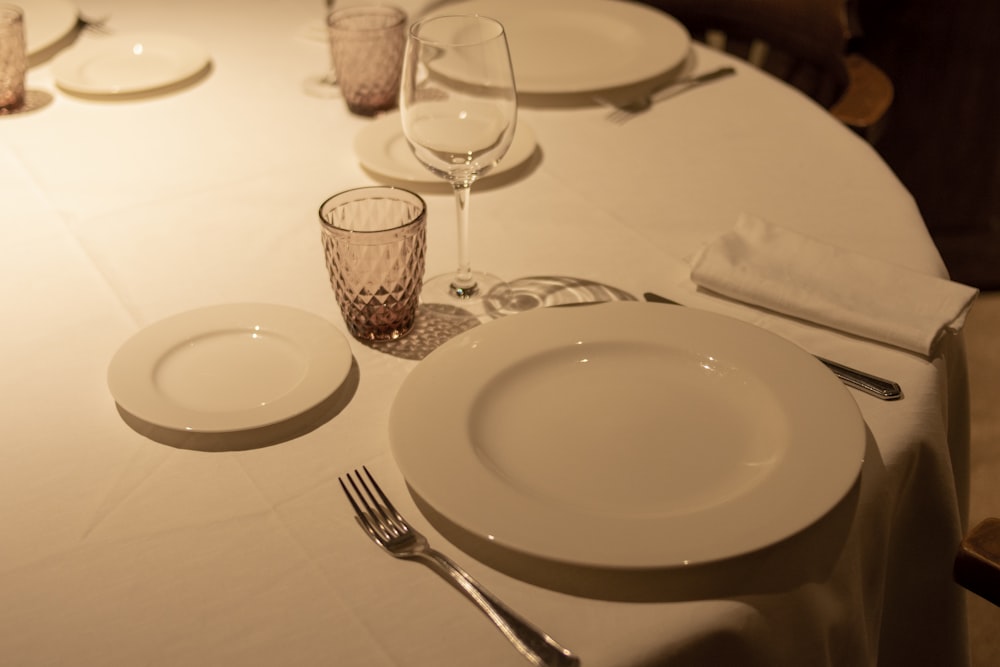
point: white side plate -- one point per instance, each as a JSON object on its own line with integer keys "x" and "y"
{"x": 229, "y": 368}
{"x": 382, "y": 148}
{"x": 125, "y": 64}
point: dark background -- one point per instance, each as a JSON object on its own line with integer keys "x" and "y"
{"x": 942, "y": 136}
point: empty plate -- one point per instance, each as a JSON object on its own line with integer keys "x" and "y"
{"x": 229, "y": 368}
{"x": 382, "y": 149}
{"x": 126, "y": 64}
{"x": 578, "y": 46}
{"x": 626, "y": 435}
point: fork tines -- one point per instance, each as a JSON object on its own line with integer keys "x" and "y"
{"x": 375, "y": 514}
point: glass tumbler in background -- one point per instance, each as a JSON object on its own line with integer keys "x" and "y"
{"x": 367, "y": 48}
{"x": 13, "y": 58}
{"x": 374, "y": 241}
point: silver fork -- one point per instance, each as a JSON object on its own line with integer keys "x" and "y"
{"x": 629, "y": 110}
{"x": 388, "y": 529}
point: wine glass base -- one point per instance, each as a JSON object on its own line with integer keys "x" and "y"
{"x": 322, "y": 86}
{"x": 489, "y": 295}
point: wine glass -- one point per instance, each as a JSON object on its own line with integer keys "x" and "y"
{"x": 459, "y": 109}
{"x": 324, "y": 85}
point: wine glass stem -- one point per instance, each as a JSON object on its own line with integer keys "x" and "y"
{"x": 464, "y": 285}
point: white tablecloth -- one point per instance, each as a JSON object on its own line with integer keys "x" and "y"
{"x": 119, "y": 550}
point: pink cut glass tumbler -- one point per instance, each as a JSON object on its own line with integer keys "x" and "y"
{"x": 374, "y": 242}
{"x": 367, "y": 44}
{"x": 13, "y": 58}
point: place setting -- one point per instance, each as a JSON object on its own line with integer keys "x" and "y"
{"x": 644, "y": 441}
{"x": 741, "y": 419}
{"x": 608, "y": 52}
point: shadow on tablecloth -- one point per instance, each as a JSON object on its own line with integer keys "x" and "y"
{"x": 810, "y": 555}
{"x": 437, "y": 324}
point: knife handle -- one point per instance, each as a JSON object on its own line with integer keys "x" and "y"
{"x": 878, "y": 387}
{"x": 873, "y": 385}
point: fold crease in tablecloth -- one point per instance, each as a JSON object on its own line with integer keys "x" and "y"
{"x": 766, "y": 265}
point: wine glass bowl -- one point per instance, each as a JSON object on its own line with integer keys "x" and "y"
{"x": 458, "y": 144}
{"x": 458, "y": 104}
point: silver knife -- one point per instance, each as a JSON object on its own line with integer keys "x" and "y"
{"x": 873, "y": 385}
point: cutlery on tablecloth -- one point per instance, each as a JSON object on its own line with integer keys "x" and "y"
{"x": 388, "y": 529}
{"x": 887, "y": 390}
{"x": 628, "y": 110}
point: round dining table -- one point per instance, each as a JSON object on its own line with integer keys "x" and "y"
{"x": 124, "y": 544}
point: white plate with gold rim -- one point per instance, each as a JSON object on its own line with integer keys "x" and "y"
{"x": 578, "y": 46}
{"x": 626, "y": 435}
{"x": 230, "y": 367}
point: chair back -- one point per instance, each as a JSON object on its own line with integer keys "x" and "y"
{"x": 803, "y": 42}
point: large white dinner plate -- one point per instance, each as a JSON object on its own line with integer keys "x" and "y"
{"x": 382, "y": 148}
{"x": 577, "y": 46}
{"x": 125, "y": 64}
{"x": 626, "y": 435}
{"x": 46, "y": 22}
{"x": 230, "y": 367}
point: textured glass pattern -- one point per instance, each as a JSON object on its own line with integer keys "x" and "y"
{"x": 367, "y": 48}
{"x": 374, "y": 241}
{"x": 13, "y": 60}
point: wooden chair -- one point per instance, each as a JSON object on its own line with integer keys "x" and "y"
{"x": 977, "y": 565}
{"x": 803, "y": 42}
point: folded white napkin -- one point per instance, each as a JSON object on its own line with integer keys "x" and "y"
{"x": 787, "y": 272}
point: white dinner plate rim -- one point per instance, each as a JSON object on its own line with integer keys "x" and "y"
{"x": 189, "y": 58}
{"x": 667, "y": 40}
{"x": 434, "y": 458}
{"x": 326, "y": 351}
{"x": 371, "y": 142}
{"x": 46, "y": 22}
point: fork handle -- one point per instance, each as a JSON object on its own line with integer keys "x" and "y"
{"x": 532, "y": 643}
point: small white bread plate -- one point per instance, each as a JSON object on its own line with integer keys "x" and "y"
{"x": 578, "y": 46}
{"x": 382, "y": 149}
{"x": 626, "y": 435}
{"x": 127, "y": 64}
{"x": 230, "y": 367}
{"x": 46, "y": 22}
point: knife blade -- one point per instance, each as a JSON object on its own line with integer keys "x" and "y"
{"x": 887, "y": 390}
